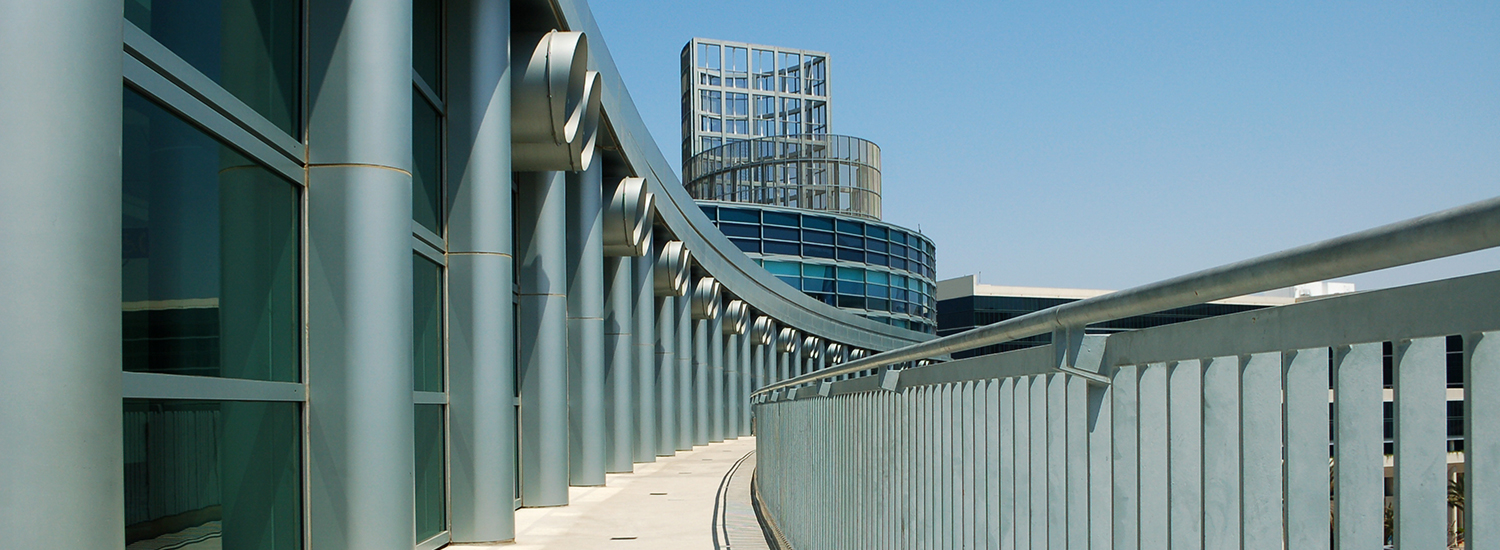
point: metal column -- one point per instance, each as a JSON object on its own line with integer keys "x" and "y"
{"x": 684, "y": 398}
{"x": 647, "y": 429}
{"x": 585, "y": 326}
{"x": 60, "y": 214}
{"x": 541, "y": 247}
{"x": 713, "y": 387}
{"x": 619, "y": 366}
{"x": 359, "y": 289}
{"x": 481, "y": 345}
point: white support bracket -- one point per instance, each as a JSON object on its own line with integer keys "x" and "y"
{"x": 1079, "y": 354}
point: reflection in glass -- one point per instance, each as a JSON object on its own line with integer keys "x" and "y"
{"x": 210, "y": 255}
{"x": 221, "y": 474}
{"x": 427, "y": 324}
{"x": 431, "y": 503}
{"x": 427, "y": 42}
{"x": 252, "y": 48}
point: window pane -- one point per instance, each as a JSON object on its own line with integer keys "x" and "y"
{"x": 427, "y": 324}
{"x": 734, "y": 59}
{"x": 431, "y": 505}
{"x": 228, "y": 473}
{"x": 427, "y": 41}
{"x": 252, "y": 48}
{"x": 209, "y": 275}
{"x": 784, "y": 268}
{"x": 426, "y": 174}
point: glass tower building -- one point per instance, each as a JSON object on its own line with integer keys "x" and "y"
{"x": 805, "y": 203}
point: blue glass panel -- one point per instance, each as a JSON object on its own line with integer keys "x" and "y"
{"x": 878, "y": 304}
{"x": 898, "y": 263}
{"x": 898, "y": 306}
{"x": 877, "y": 277}
{"x": 854, "y": 228}
{"x": 783, "y": 268}
{"x": 878, "y": 291}
{"x": 851, "y": 288}
{"x": 875, "y": 232}
{"x": 877, "y": 245}
{"x": 817, "y": 251}
{"x": 898, "y": 237}
{"x": 851, "y": 274}
{"x": 876, "y": 259}
{"x": 710, "y": 211}
{"x": 796, "y": 282}
{"x": 898, "y": 250}
{"x": 738, "y": 215}
{"x": 820, "y": 237}
{"x": 851, "y": 255}
{"x": 781, "y": 233}
{"x": 851, "y": 241}
{"x": 783, "y": 218}
{"x": 820, "y": 271}
{"x": 773, "y": 247}
{"x": 851, "y": 301}
{"x": 747, "y": 245}
{"x": 817, "y": 222}
{"x": 740, "y": 230}
{"x": 818, "y": 285}
{"x": 898, "y": 294}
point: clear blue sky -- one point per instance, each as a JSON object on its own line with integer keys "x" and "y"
{"x": 1111, "y": 144}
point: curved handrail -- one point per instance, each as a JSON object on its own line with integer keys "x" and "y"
{"x": 1467, "y": 228}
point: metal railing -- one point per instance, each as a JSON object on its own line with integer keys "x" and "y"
{"x": 1263, "y": 429}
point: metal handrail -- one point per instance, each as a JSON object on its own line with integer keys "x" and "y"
{"x": 1475, "y": 226}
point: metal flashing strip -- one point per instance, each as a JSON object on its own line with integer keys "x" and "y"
{"x": 149, "y": 385}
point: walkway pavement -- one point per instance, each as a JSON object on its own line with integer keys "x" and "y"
{"x": 669, "y": 504}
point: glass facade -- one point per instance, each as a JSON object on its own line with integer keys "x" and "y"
{"x": 876, "y": 270}
{"x": 829, "y": 173}
{"x": 790, "y": 90}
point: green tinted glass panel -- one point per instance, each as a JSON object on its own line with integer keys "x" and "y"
{"x": 253, "y": 48}
{"x": 851, "y": 274}
{"x": 427, "y": 324}
{"x": 783, "y": 268}
{"x": 227, "y": 473}
{"x": 431, "y": 503}
{"x": 209, "y": 260}
{"x": 426, "y": 161}
{"x": 427, "y": 42}
{"x": 823, "y": 271}
{"x": 877, "y": 277}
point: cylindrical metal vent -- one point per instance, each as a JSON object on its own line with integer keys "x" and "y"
{"x": 707, "y": 298}
{"x": 789, "y": 340}
{"x": 763, "y": 332}
{"x": 736, "y": 317}
{"x": 857, "y": 354}
{"x": 552, "y": 103}
{"x": 670, "y": 276}
{"x": 837, "y": 353}
{"x": 627, "y": 218}
{"x": 812, "y": 347}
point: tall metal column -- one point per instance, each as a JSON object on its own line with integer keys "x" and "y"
{"x": 729, "y": 426}
{"x": 647, "y": 429}
{"x": 666, "y": 374}
{"x": 60, "y": 327}
{"x": 541, "y": 247}
{"x": 359, "y": 288}
{"x": 685, "y": 357}
{"x": 714, "y": 381}
{"x": 481, "y": 344}
{"x": 586, "y": 325}
{"x": 619, "y": 365}
{"x": 747, "y": 382}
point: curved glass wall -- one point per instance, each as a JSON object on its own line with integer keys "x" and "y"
{"x": 830, "y": 173}
{"x": 877, "y": 270}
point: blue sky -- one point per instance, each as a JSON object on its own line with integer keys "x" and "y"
{"x": 1111, "y": 144}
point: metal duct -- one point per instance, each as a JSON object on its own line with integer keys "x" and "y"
{"x": 856, "y": 354}
{"x": 736, "y": 317}
{"x": 671, "y": 273}
{"x": 788, "y": 341}
{"x": 812, "y": 347}
{"x": 707, "y": 299}
{"x": 551, "y": 102}
{"x": 837, "y": 353}
{"x": 763, "y": 331}
{"x": 627, "y": 219}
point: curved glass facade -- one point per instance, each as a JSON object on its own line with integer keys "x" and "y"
{"x": 821, "y": 172}
{"x": 877, "y": 270}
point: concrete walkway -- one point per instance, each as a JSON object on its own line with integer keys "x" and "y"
{"x": 668, "y": 504}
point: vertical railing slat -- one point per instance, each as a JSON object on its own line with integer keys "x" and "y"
{"x": 1153, "y": 514}
{"x": 1078, "y": 462}
{"x": 993, "y": 430}
{"x": 1260, "y": 452}
{"x": 1306, "y": 418}
{"x": 1022, "y": 462}
{"x": 1482, "y": 441}
{"x": 1007, "y": 462}
{"x": 1359, "y": 441}
{"x": 1185, "y": 455}
{"x": 1056, "y": 462}
{"x": 1125, "y": 414}
{"x": 1421, "y": 466}
{"x": 964, "y": 486}
{"x": 1039, "y": 508}
{"x": 1101, "y": 475}
{"x": 1221, "y": 453}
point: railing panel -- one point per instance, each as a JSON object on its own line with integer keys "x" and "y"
{"x": 1007, "y": 460}
{"x": 1185, "y": 455}
{"x": 1482, "y": 448}
{"x": 1421, "y": 426}
{"x": 1221, "y": 453}
{"x": 1077, "y": 462}
{"x": 1101, "y": 475}
{"x": 1359, "y": 440}
{"x": 993, "y": 431}
{"x": 1153, "y": 462}
{"x": 1126, "y": 454}
{"x": 964, "y": 498}
{"x": 1260, "y": 452}
{"x": 1306, "y": 421}
{"x": 1038, "y": 447}
{"x": 1056, "y": 462}
{"x": 1022, "y": 431}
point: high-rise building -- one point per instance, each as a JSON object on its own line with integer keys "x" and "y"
{"x": 759, "y": 157}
